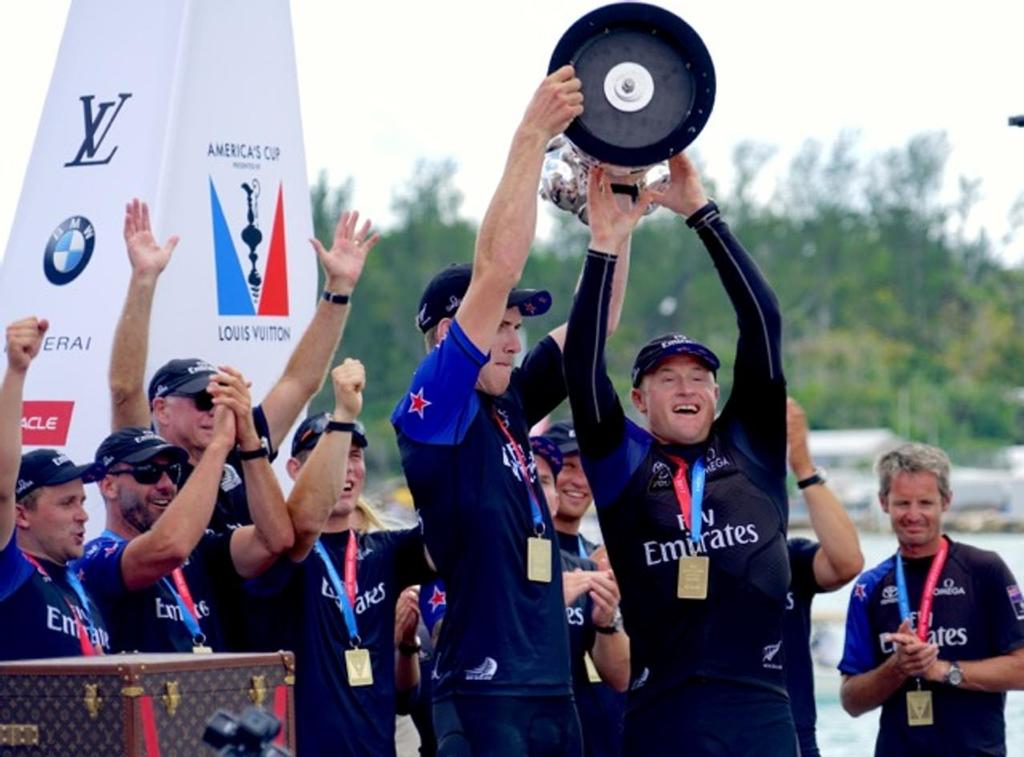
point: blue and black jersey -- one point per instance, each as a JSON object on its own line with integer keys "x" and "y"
{"x": 332, "y": 716}
{"x": 735, "y": 634}
{"x": 502, "y": 633}
{"x": 150, "y": 620}
{"x": 978, "y": 612}
{"x": 796, "y": 634}
{"x": 40, "y": 612}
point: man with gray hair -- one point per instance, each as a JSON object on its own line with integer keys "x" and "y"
{"x": 935, "y": 633}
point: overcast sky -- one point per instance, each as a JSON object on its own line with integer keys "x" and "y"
{"x": 384, "y": 83}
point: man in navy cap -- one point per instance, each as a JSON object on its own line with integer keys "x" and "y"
{"x": 502, "y": 682}
{"x": 337, "y": 589}
{"x": 693, "y": 508}
{"x": 177, "y": 404}
{"x": 156, "y": 572}
{"x": 44, "y": 610}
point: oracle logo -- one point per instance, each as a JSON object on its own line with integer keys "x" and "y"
{"x": 46, "y": 422}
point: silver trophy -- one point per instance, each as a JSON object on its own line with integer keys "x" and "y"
{"x": 648, "y": 90}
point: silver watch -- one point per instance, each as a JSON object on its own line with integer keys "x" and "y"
{"x": 954, "y": 676}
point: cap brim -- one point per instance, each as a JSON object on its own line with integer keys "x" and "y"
{"x": 87, "y": 473}
{"x": 194, "y": 385}
{"x": 150, "y": 452}
{"x": 696, "y": 349}
{"x": 530, "y": 301}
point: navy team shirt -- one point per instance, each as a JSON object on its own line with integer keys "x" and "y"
{"x": 332, "y": 717}
{"x": 600, "y": 707}
{"x": 978, "y": 612}
{"x": 150, "y": 620}
{"x": 502, "y": 633}
{"x": 796, "y": 635}
{"x": 736, "y": 633}
{"x": 40, "y": 612}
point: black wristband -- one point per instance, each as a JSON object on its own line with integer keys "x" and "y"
{"x": 340, "y": 426}
{"x": 409, "y": 650}
{"x": 253, "y": 454}
{"x": 607, "y": 630}
{"x": 337, "y": 299}
{"x": 818, "y": 477}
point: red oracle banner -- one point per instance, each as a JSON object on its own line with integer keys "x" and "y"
{"x": 45, "y": 423}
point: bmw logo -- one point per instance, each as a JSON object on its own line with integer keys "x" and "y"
{"x": 69, "y": 250}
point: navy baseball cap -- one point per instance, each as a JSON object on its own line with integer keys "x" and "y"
{"x": 543, "y": 446}
{"x": 134, "y": 444}
{"x": 312, "y": 428}
{"x": 48, "y": 467}
{"x": 186, "y": 377}
{"x": 564, "y": 436}
{"x": 445, "y": 291}
{"x": 666, "y": 346}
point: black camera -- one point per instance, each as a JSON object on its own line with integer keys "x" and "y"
{"x": 249, "y": 735}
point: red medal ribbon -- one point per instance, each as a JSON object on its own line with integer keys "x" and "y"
{"x": 88, "y": 650}
{"x": 350, "y": 568}
{"x": 924, "y": 615}
{"x": 682, "y": 488}
{"x": 186, "y": 596}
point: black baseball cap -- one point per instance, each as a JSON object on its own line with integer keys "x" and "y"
{"x": 134, "y": 444}
{"x": 445, "y": 291}
{"x": 48, "y": 467}
{"x": 183, "y": 376}
{"x": 563, "y": 435}
{"x": 312, "y": 428}
{"x": 543, "y": 446}
{"x": 668, "y": 345}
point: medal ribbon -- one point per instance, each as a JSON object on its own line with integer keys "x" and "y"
{"x": 346, "y": 594}
{"x": 538, "y": 519}
{"x": 924, "y": 615}
{"x": 581, "y": 546}
{"x": 180, "y": 592}
{"x": 88, "y": 648}
{"x": 690, "y": 505}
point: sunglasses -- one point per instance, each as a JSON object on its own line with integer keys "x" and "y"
{"x": 203, "y": 400}
{"x": 150, "y": 473}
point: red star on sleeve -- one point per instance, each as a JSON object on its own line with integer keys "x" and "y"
{"x": 418, "y": 403}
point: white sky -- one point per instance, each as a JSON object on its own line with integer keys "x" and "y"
{"x": 384, "y": 83}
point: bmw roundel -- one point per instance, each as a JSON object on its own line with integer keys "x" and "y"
{"x": 68, "y": 250}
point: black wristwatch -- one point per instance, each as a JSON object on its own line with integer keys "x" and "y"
{"x": 818, "y": 477}
{"x": 615, "y": 626}
{"x": 336, "y": 298}
{"x": 955, "y": 675}
{"x": 410, "y": 650}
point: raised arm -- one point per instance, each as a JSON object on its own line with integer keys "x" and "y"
{"x": 322, "y": 477}
{"x": 597, "y": 414}
{"x": 24, "y": 339}
{"x": 838, "y": 559}
{"x": 154, "y": 554}
{"x": 254, "y": 548}
{"x": 507, "y": 230}
{"x": 129, "y": 404}
{"x": 309, "y": 361}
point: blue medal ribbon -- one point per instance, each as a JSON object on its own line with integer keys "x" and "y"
{"x": 582, "y": 547}
{"x": 339, "y": 591}
{"x": 697, "y": 500}
{"x": 535, "y": 512}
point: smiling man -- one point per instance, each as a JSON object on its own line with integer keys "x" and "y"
{"x": 156, "y": 573}
{"x": 693, "y": 509}
{"x": 934, "y": 634}
{"x": 44, "y": 610}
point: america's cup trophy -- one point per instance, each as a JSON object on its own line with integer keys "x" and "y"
{"x": 648, "y": 90}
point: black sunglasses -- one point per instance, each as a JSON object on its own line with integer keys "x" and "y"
{"x": 150, "y": 473}
{"x": 203, "y": 400}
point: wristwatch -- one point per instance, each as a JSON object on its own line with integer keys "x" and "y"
{"x": 818, "y": 477}
{"x": 615, "y": 627}
{"x": 954, "y": 676}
